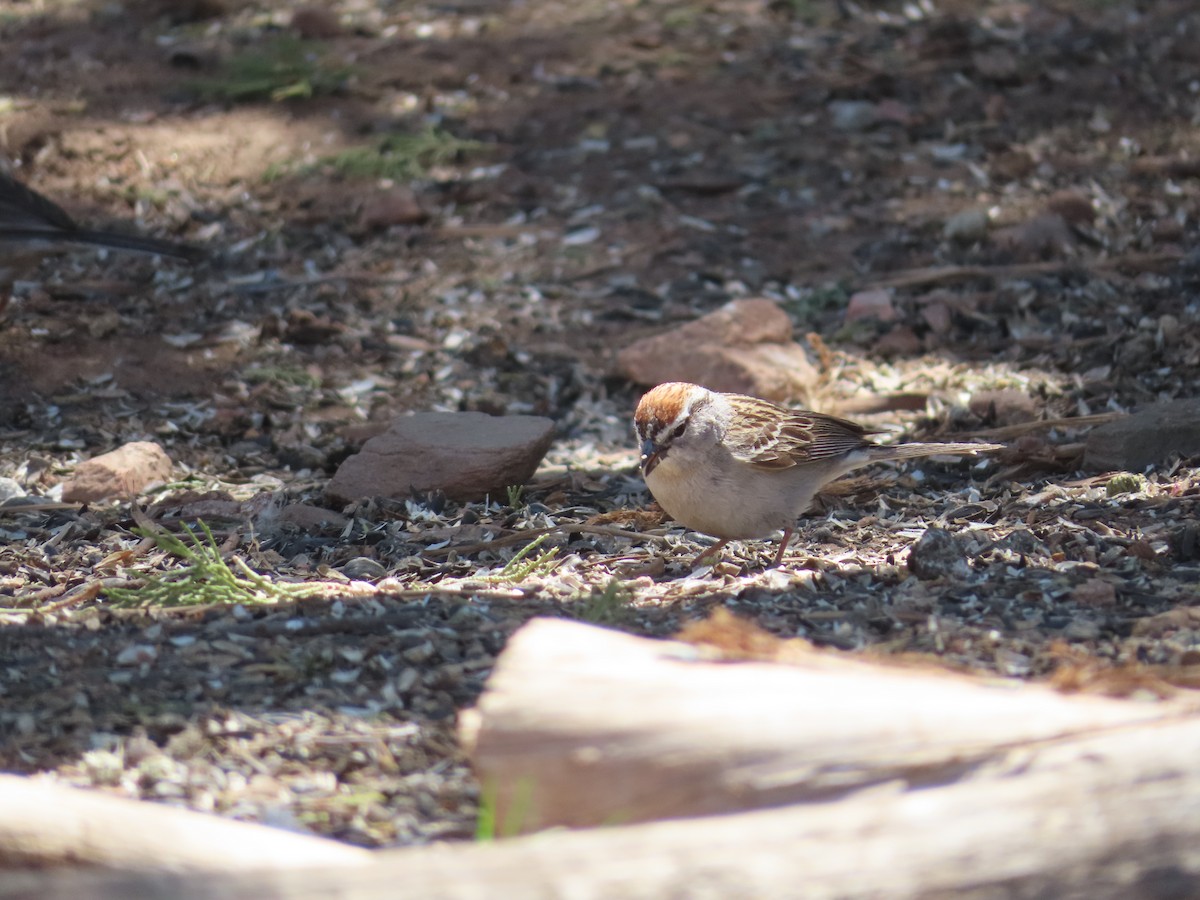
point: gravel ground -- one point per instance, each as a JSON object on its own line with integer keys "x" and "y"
{"x": 1022, "y": 181}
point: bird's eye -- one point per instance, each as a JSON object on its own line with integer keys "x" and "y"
{"x": 679, "y": 430}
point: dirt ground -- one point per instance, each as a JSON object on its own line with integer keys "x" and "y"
{"x": 1021, "y": 177}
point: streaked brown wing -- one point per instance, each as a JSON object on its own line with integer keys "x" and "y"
{"x": 779, "y": 438}
{"x": 833, "y": 436}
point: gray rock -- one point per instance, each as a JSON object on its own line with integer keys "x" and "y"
{"x": 10, "y": 489}
{"x": 1146, "y": 438}
{"x": 1081, "y": 630}
{"x": 853, "y": 115}
{"x": 363, "y": 568}
{"x": 938, "y": 554}
{"x": 967, "y": 226}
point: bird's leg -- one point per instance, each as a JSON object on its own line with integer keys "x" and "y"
{"x": 787, "y": 537}
{"x": 709, "y": 551}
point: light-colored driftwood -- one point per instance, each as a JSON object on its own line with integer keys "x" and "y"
{"x": 581, "y": 726}
{"x": 1112, "y": 816}
{"x": 45, "y": 824}
{"x": 1024, "y": 792}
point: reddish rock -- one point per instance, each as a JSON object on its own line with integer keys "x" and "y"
{"x": 124, "y": 472}
{"x": 745, "y": 346}
{"x": 873, "y": 304}
{"x": 995, "y": 108}
{"x": 1012, "y": 164}
{"x": 396, "y": 206}
{"x": 938, "y": 317}
{"x": 208, "y": 510}
{"x": 1163, "y": 231}
{"x": 310, "y": 518}
{"x": 467, "y": 456}
{"x": 316, "y": 23}
{"x": 900, "y": 341}
{"x": 1042, "y": 237}
{"x": 1095, "y": 592}
{"x": 997, "y": 64}
{"x": 1146, "y": 438}
{"x": 1074, "y": 207}
{"x": 894, "y": 111}
{"x": 361, "y": 432}
{"x": 306, "y": 328}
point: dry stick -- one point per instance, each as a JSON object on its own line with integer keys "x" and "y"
{"x": 872, "y": 404}
{"x": 262, "y": 287}
{"x": 940, "y": 274}
{"x": 1008, "y": 432}
{"x": 40, "y": 596}
{"x": 82, "y": 593}
{"x": 49, "y": 505}
{"x": 486, "y": 230}
{"x": 568, "y": 528}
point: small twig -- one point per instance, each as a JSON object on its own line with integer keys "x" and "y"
{"x": 566, "y": 528}
{"x": 81, "y": 594}
{"x": 869, "y": 404}
{"x": 942, "y": 274}
{"x": 1008, "y": 432}
{"x": 484, "y": 229}
{"x": 36, "y": 602}
{"x": 264, "y": 286}
{"x": 48, "y": 506}
{"x": 40, "y": 596}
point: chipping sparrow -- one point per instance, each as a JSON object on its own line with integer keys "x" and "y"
{"x": 737, "y": 467}
{"x": 26, "y": 217}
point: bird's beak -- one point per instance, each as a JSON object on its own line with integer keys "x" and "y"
{"x": 651, "y": 456}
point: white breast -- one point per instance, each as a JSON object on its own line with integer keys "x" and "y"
{"x": 728, "y": 499}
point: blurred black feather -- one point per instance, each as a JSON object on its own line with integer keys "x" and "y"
{"x": 27, "y": 217}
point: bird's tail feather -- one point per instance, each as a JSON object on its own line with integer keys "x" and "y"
{"x": 114, "y": 240}
{"x": 137, "y": 243}
{"x": 911, "y": 451}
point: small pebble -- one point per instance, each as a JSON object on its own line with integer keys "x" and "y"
{"x": 967, "y": 227}
{"x": 937, "y": 554}
{"x": 363, "y": 568}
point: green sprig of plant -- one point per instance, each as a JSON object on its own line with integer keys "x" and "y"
{"x": 487, "y": 828}
{"x": 607, "y": 606}
{"x": 525, "y": 563}
{"x": 398, "y": 156}
{"x": 809, "y": 305}
{"x": 289, "y": 376}
{"x": 1124, "y": 483}
{"x": 516, "y": 496}
{"x": 284, "y": 68}
{"x": 205, "y": 578}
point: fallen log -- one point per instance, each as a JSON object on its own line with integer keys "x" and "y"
{"x": 581, "y": 726}
{"x": 1110, "y": 816}
{"x": 1023, "y": 791}
{"x": 44, "y": 824}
